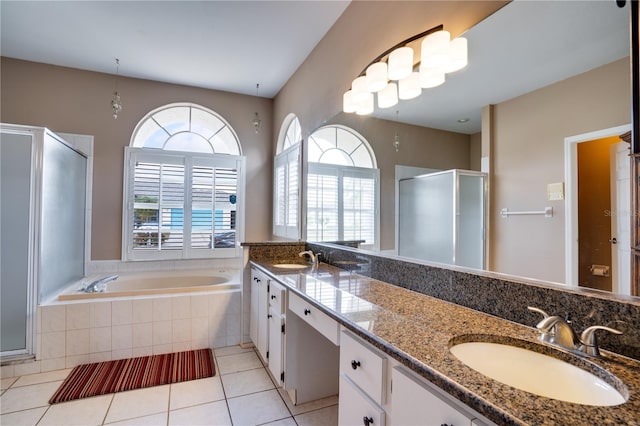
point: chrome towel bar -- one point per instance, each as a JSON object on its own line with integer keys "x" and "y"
{"x": 547, "y": 212}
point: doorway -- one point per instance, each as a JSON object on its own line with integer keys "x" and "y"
{"x": 597, "y": 222}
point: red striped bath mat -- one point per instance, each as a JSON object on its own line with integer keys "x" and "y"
{"x": 134, "y": 373}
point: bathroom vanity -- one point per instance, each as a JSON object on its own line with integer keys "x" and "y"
{"x": 386, "y": 351}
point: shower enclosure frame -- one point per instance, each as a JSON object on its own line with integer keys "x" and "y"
{"x": 83, "y": 146}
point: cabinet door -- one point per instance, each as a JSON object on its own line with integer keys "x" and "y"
{"x": 356, "y": 408}
{"x": 258, "y": 324}
{"x": 276, "y": 334}
{"x": 254, "y": 314}
{"x": 263, "y": 323}
{"x": 413, "y": 404}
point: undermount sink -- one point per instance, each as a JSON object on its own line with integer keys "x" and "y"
{"x": 290, "y": 266}
{"x": 537, "y": 373}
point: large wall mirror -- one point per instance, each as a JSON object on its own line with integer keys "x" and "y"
{"x": 540, "y": 107}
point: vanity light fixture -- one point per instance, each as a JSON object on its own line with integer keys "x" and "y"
{"x": 116, "y": 104}
{"x": 396, "y": 75}
{"x": 256, "y": 118}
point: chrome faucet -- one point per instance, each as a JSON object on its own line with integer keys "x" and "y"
{"x": 94, "y": 286}
{"x": 556, "y": 331}
{"x": 313, "y": 257}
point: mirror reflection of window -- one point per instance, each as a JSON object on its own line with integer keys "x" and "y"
{"x": 343, "y": 186}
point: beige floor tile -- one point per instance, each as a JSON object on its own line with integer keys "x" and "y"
{"x": 26, "y": 397}
{"x": 246, "y": 382}
{"x": 231, "y": 350}
{"x": 257, "y": 408}
{"x": 80, "y": 412}
{"x": 309, "y": 406}
{"x": 138, "y": 403}
{"x": 153, "y": 420}
{"x": 49, "y": 376}
{"x": 322, "y": 417}
{"x": 195, "y": 392}
{"x": 289, "y": 421}
{"x": 238, "y": 362}
{"x": 213, "y": 413}
{"x": 6, "y": 383}
{"x": 23, "y": 418}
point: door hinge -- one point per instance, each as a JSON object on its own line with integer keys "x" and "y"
{"x": 268, "y": 288}
{"x": 267, "y": 354}
{"x": 282, "y": 376}
{"x": 282, "y": 328}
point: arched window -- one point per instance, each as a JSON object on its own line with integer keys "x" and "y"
{"x": 184, "y": 186}
{"x": 186, "y": 127}
{"x": 292, "y": 135}
{"x": 286, "y": 180}
{"x": 342, "y": 187}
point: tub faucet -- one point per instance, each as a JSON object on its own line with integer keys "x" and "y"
{"x": 313, "y": 257}
{"x": 93, "y": 287}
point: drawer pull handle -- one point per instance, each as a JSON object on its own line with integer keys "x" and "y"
{"x": 307, "y": 311}
{"x": 355, "y": 364}
{"x": 269, "y": 316}
{"x": 273, "y": 296}
{"x": 367, "y": 421}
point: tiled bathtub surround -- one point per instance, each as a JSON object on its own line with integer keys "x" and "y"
{"x": 503, "y": 298}
{"x": 72, "y": 333}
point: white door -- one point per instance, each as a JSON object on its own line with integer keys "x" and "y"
{"x": 620, "y": 220}
{"x": 276, "y": 334}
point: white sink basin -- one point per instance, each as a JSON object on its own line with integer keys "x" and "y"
{"x": 537, "y": 373}
{"x": 290, "y": 266}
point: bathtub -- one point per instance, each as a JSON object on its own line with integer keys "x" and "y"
{"x": 156, "y": 283}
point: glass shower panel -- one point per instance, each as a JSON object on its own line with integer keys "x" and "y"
{"x": 426, "y": 220}
{"x": 470, "y": 242}
{"x": 63, "y": 216}
{"x": 15, "y": 202}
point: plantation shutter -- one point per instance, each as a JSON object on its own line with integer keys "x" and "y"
{"x": 158, "y": 204}
{"x": 185, "y": 205}
{"x": 286, "y": 193}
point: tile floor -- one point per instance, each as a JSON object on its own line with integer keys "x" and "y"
{"x": 242, "y": 393}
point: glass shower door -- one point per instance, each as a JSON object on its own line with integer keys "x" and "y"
{"x": 16, "y": 181}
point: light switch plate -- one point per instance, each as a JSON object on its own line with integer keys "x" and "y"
{"x": 555, "y": 191}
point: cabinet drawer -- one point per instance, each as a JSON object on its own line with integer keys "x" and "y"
{"x": 355, "y": 408}
{"x": 364, "y": 365}
{"x": 317, "y": 319}
{"x": 277, "y": 295}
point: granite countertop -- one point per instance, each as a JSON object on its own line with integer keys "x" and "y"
{"x": 418, "y": 330}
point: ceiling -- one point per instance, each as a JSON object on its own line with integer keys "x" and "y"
{"x": 523, "y": 46}
{"x": 222, "y": 45}
{"x": 234, "y": 45}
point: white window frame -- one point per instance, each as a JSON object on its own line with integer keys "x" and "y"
{"x": 188, "y": 159}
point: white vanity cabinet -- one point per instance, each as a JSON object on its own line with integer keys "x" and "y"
{"x": 376, "y": 390}
{"x": 258, "y": 324}
{"x": 276, "y": 324}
